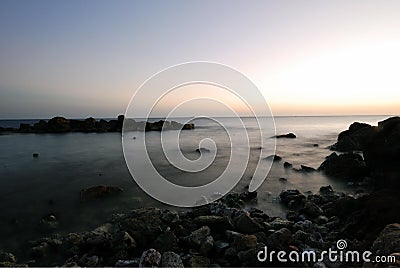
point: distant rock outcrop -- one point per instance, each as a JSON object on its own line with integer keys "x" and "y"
{"x": 62, "y": 125}
{"x": 287, "y": 136}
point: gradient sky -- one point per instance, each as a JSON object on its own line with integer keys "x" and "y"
{"x": 87, "y": 58}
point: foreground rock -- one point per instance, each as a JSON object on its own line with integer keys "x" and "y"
{"x": 63, "y": 125}
{"x": 345, "y": 166}
{"x": 380, "y": 146}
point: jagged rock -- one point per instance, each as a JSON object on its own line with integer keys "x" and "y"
{"x": 311, "y": 209}
{"x": 355, "y": 138}
{"x": 345, "y": 166}
{"x": 171, "y": 259}
{"x": 287, "y": 196}
{"x": 326, "y": 190}
{"x": 279, "y": 223}
{"x": 166, "y": 241}
{"x": 387, "y": 241}
{"x": 280, "y": 240}
{"x": 206, "y": 245}
{"x": 150, "y": 258}
{"x": 244, "y": 242}
{"x": 245, "y": 224}
{"x": 219, "y": 223}
{"x": 199, "y": 261}
{"x": 198, "y": 235}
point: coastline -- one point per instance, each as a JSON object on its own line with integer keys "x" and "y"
{"x": 226, "y": 234}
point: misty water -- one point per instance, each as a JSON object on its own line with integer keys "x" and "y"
{"x": 31, "y": 188}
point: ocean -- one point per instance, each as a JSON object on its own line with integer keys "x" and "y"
{"x": 31, "y": 188}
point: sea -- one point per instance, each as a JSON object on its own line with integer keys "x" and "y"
{"x": 31, "y": 188}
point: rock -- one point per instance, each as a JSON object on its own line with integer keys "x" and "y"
{"x": 49, "y": 222}
{"x": 98, "y": 192}
{"x": 198, "y": 235}
{"x": 218, "y": 223}
{"x": 345, "y": 166}
{"x": 382, "y": 154}
{"x": 89, "y": 261}
{"x": 274, "y": 158}
{"x": 40, "y": 251}
{"x": 220, "y": 246}
{"x": 307, "y": 169}
{"x": 282, "y": 179}
{"x": 7, "y": 257}
{"x": 245, "y": 224}
{"x": 326, "y": 190}
{"x": 244, "y": 242}
{"x": 171, "y": 259}
{"x": 387, "y": 241}
{"x": 150, "y": 258}
{"x": 287, "y": 136}
{"x": 280, "y": 240}
{"x": 248, "y": 196}
{"x": 287, "y": 165}
{"x": 199, "y": 261}
{"x": 62, "y": 125}
{"x": 311, "y": 209}
{"x": 127, "y": 263}
{"x": 166, "y": 241}
{"x": 206, "y": 245}
{"x": 287, "y": 196}
{"x": 143, "y": 224}
{"x": 279, "y": 223}
{"x": 35, "y": 155}
{"x": 355, "y": 138}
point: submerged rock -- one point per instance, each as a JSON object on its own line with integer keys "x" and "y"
{"x": 98, "y": 192}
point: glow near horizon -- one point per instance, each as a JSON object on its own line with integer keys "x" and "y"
{"x": 83, "y": 59}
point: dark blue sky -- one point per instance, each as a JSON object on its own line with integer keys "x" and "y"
{"x": 87, "y": 58}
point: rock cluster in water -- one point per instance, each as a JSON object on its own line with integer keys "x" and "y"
{"x": 63, "y": 125}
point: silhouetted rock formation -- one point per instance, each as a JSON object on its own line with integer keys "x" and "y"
{"x": 380, "y": 146}
{"x": 287, "y": 136}
{"x": 62, "y": 125}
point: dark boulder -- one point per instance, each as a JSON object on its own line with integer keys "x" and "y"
{"x": 274, "y": 158}
{"x": 287, "y": 165}
{"x": 382, "y": 155}
{"x": 387, "y": 242}
{"x": 307, "y": 169}
{"x": 345, "y": 166}
{"x": 286, "y": 136}
{"x": 356, "y": 138}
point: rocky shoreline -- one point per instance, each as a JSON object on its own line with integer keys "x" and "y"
{"x": 229, "y": 232}
{"x": 63, "y": 125}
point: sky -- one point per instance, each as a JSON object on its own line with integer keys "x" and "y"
{"x": 87, "y": 58}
